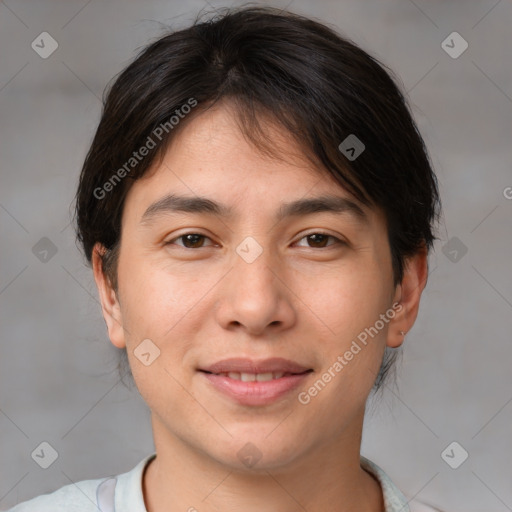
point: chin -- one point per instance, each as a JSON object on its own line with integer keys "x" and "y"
{"x": 257, "y": 451}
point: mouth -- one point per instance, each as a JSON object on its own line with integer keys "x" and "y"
{"x": 245, "y": 366}
{"x": 255, "y": 377}
{"x": 250, "y": 382}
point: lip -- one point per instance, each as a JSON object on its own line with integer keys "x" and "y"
{"x": 257, "y": 392}
{"x": 244, "y": 365}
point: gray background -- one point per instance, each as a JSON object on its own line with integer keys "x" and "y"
{"x": 59, "y": 382}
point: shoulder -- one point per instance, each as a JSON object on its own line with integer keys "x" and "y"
{"x": 394, "y": 499}
{"x": 77, "y": 497}
{"x": 124, "y": 489}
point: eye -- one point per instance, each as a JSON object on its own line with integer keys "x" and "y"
{"x": 190, "y": 240}
{"x": 196, "y": 240}
{"x": 319, "y": 240}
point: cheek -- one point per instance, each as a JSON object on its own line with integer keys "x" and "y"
{"x": 152, "y": 300}
{"x": 167, "y": 308}
{"x": 347, "y": 302}
{"x": 347, "y": 308}
{"x": 156, "y": 313}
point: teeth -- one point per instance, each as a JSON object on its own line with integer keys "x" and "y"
{"x": 262, "y": 377}
{"x": 252, "y": 377}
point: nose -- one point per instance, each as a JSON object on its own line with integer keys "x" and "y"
{"x": 256, "y": 296}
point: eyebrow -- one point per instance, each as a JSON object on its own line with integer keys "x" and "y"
{"x": 173, "y": 203}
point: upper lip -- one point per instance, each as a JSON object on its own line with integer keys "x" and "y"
{"x": 244, "y": 365}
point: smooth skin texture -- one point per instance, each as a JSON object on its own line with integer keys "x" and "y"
{"x": 304, "y": 298}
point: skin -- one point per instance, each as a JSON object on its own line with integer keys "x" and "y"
{"x": 301, "y": 299}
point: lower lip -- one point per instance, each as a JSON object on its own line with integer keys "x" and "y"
{"x": 256, "y": 393}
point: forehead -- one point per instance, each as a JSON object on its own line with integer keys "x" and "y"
{"x": 210, "y": 167}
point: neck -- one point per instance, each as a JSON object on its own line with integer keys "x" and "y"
{"x": 328, "y": 478}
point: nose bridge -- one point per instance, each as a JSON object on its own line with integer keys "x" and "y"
{"x": 254, "y": 264}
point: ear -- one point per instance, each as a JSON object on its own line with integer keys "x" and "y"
{"x": 108, "y": 298}
{"x": 408, "y": 294}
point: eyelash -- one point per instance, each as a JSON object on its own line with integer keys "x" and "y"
{"x": 337, "y": 240}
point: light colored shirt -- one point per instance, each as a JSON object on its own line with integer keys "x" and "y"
{"x": 123, "y": 493}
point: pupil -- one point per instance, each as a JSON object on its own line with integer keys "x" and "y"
{"x": 316, "y": 236}
{"x": 193, "y": 238}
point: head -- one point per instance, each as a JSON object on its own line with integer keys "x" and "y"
{"x": 255, "y": 109}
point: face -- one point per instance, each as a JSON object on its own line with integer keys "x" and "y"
{"x": 202, "y": 287}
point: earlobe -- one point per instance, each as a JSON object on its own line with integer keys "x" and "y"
{"x": 409, "y": 294}
{"x": 108, "y": 298}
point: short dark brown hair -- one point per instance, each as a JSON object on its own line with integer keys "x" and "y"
{"x": 269, "y": 64}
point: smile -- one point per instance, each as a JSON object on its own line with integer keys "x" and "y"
{"x": 254, "y": 377}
